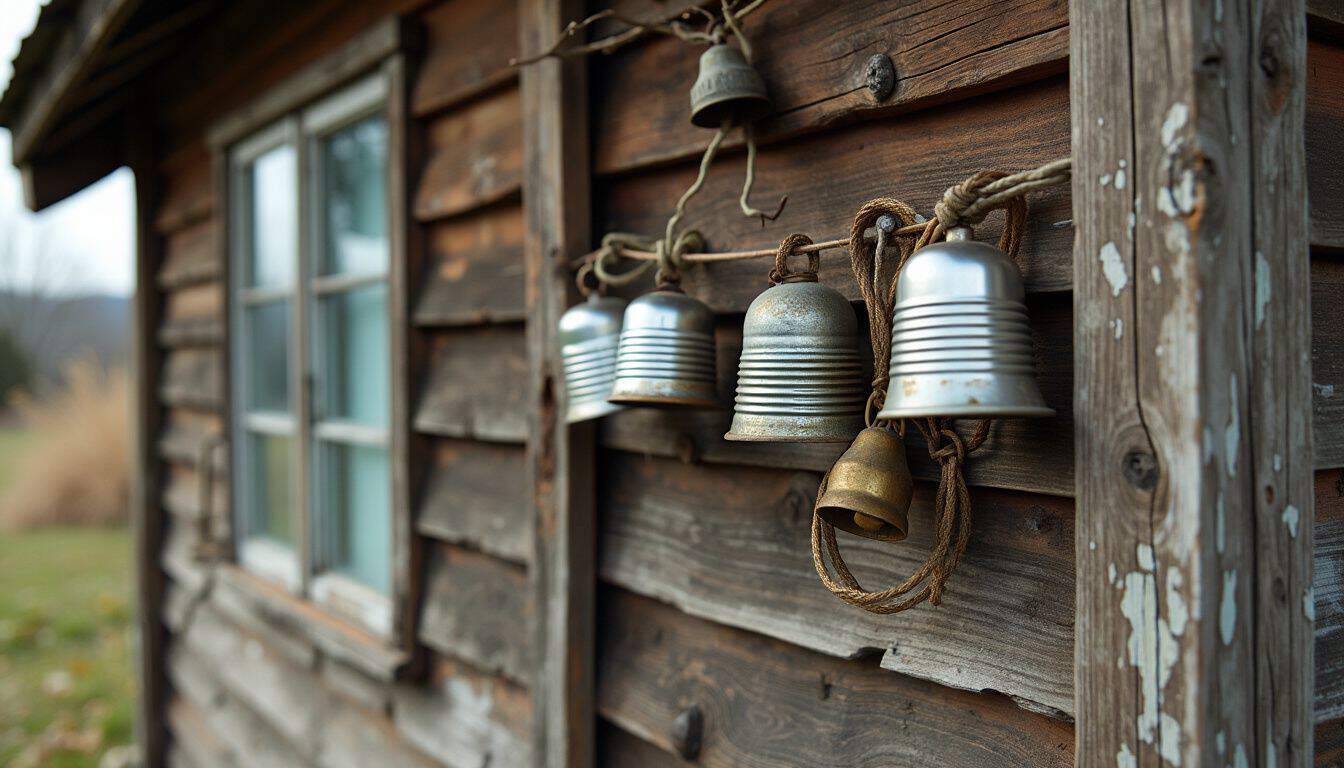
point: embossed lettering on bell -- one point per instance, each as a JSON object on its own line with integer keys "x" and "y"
{"x": 960, "y": 336}
{"x": 800, "y": 377}
{"x": 727, "y": 88}
{"x": 666, "y": 355}
{"x": 588, "y": 335}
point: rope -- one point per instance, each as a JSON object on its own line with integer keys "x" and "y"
{"x": 782, "y": 274}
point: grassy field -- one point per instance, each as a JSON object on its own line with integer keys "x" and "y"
{"x": 13, "y": 441}
{"x": 66, "y": 687}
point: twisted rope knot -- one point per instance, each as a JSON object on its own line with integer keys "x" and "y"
{"x": 672, "y": 260}
{"x": 782, "y": 274}
{"x": 952, "y": 453}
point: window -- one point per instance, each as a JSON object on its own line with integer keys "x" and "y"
{"x": 311, "y": 359}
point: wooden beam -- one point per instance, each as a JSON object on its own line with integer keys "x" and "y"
{"x": 1191, "y": 396}
{"x": 556, "y": 201}
{"x": 146, "y": 470}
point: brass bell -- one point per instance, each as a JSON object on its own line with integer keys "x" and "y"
{"x": 728, "y": 88}
{"x": 800, "y": 378}
{"x": 666, "y": 355}
{"x": 588, "y": 334}
{"x": 960, "y": 338}
{"x": 868, "y": 493}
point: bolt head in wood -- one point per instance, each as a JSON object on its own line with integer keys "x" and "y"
{"x": 880, "y": 77}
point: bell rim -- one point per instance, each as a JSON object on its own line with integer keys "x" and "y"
{"x": 843, "y": 518}
{"x": 663, "y": 400}
{"x": 590, "y": 408}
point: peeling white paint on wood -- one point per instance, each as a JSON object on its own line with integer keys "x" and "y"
{"x": 1232, "y": 436}
{"x": 1113, "y": 267}
{"x": 1177, "y": 116}
{"x": 1309, "y": 604}
{"x": 1157, "y": 274}
{"x": 1290, "y": 518}
{"x": 1227, "y": 611}
{"x": 1264, "y": 288}
{"x": 1124, "y": 758}
{"x": 1324, "y": 390}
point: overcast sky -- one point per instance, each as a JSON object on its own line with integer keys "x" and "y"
{"x": 91, "y": 235}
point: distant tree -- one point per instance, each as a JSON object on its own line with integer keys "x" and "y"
{"x": 16, "y": 370}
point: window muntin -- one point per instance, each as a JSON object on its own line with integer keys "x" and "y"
{"x": 312, "y": 360}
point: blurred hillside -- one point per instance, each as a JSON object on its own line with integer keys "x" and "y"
{"x": 55, "y": 329}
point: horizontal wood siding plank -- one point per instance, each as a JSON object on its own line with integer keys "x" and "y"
{"x": 1328, "y": 591}
{"x": 184, "y": 432}
{"x": 473, "y": 389}
{"x": 475, "y": 270}
{"x": 1027, "y": 454}
{"x": 478, "y": 609}
{"x": 193, "y": 378}
{"x": 1324, "y": 131}
{"x": 191, "y": 256}
{"x": 476, "y": 496}
{"x": 732, "y": 544}
{"x": 199, "y": 744}
{"x": 828, "y": 176}
{"x": 464, "y": 718}
{"x": 618, "y": 748}
{"x": 188, "y": 190}
{"x": 1327, "y": 361}
{"x": 457, "y": 61}
{"x": 813, "y": 55}
{"x": 193, "y": 316}
{"x": 475, "y": 157}
{"x": 767, "y": 703}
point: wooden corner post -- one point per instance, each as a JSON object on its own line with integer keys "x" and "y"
{"x": 556, "y": 201}
{"x": 1192, "y": 396}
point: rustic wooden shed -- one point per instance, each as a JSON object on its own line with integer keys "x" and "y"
{"x": 1154, "y": 575}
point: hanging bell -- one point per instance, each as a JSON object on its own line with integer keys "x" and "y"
{"x": 960, "y": 338}
{"x": 868, "y": 492}
{"x": 727, "y": 88}
{"x": 666, "y": 354}
{"x": 800, "y": 378}
{"x": 588, "y": 335}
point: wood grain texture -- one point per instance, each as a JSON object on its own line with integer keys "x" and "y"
{"x": 1278, "y": 372}
{"x": 560, "y": 457}
{"x": 1327, "y": 361}
{"x": 458, "y": 64}
{"x": 193, "y": 317}
{"x": 731, "y": 544}
{"x": 475, "y": 270}
{"x": 1328, "y": 591}
{"x": 767, "y": 703}
{"x": 828, "y": 176}
{"x": 188, "y": 190}
{"x": 473, "y": 389}
{"x": 1174, "y": 385}
{"x": 618, "y": 748}
{"x": 1324, "y": 132}
{"x": 813, "y": 55}
{"x": 465, "y": 719}
{"x": 475, "y": 157}
{"x": 182, "y": 434}
{"x": 477, "y": 496}
{"x": 478, "y": 609}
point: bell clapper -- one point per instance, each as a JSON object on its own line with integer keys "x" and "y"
{"x": 867, "y": 522}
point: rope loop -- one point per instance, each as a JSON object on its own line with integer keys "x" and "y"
{"x": 672, "y": 260}
{"x": 613, "y": 247}
{"x": 789, "y": 247}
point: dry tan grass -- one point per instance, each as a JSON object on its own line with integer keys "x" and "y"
{"x": 76, "y": 468}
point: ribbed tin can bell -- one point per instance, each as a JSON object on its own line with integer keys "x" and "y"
{"x": 800, "y": 378}
{"x": 666, "y": 355}
{"x": 960, "y": 338}
{"x": 727, "y": 88}
{"x": 868, "y": 491}
{"x": 588, "y": 335}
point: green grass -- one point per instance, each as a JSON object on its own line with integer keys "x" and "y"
{"x": 13, "y": 442}
{"x": 66, "y": 685}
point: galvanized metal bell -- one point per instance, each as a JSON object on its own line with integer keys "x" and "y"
{"x": 727, "y": 88}
{"x": 960, "y": 338}
{"x": 800, "y": 377}
{"x": 869, "y": 488}
{"x": 666, "y": 354}
{"x": 588, "y": 336}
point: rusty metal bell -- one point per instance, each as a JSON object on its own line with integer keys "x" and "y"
{"x": 960, "y": 337}
{"x": 727, "y": 88}
{"x": 800, "y": 377}
{"x": 588, "y": 335}
{"x": 868, "y": 493}
{"x": 666, "y": 355}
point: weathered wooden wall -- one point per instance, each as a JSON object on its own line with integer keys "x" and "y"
{"x": 250, "y": 685}
{"x": 708, "y": 601}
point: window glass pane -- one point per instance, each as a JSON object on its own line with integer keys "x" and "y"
{"x": 268, "y": 483}
{"x": 355, "y": 380}
{"x": 354, "y": 195}
{"x": 358, "y": 498}
{"x": 273, "y": 240}
{"x": 266, "y": 351}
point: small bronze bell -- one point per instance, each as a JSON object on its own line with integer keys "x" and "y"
{"x": 868, "y": 493}
{"x": 960, "y": 337}
{"x": 728, "y": 88}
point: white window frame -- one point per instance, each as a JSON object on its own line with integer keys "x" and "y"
{"x": 303, "y": 571}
